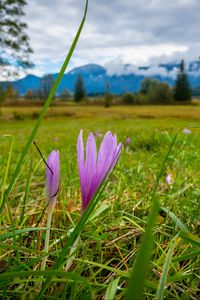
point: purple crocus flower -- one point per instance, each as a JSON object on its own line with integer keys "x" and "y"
{"x": 128, "y": 141}
{"x": 187, "y": 131}
{"x": 52, "y": 177}
{"x": 169, "y": 179}
{"x": 94, "y": 167}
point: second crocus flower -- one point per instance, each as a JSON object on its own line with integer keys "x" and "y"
{"x": 52, "y": 178}
{"x": 52, "y": 187}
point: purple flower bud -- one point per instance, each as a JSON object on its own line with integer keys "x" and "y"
{"x": 128, "y": 141}
{"x": 169, "y": 179}
{"x": 94, "y": 167}
{"x": 52, "y": 177}
{"x": 187, "y": 131}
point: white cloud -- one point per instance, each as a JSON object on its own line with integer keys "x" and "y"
{"x": 117, "y": 67}
{"x": 156, "y": 70}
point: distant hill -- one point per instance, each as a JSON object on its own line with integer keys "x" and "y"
{"x": 128, "y": 79}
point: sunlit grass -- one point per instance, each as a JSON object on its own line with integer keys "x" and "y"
{"x": 136, "y": 222}
{"x": 111, "y": 241}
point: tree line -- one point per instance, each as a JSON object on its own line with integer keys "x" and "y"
{"x": 151, "y": 91}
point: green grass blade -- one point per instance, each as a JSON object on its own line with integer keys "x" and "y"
{"x": 185, "y": 233}
{"x": 58, "y": 275}
{"x": 99, "y": 210}
{"x": 27, "y": 189}
{"x": 187, "y": 256}
{"x": 73, "y": 276}
{"x": 106, "y": 267}
{"x": 111, "y": 289}
{"x": 191, "y": 238}
{"x": 163, "y": 278}
{"x": 175, "y": 219}
{"x": 179, "y": 276}
{"x": 20, "y": 231}
{"x": 44, "y": 110}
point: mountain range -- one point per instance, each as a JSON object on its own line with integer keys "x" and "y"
{"x": 126, "y": 78}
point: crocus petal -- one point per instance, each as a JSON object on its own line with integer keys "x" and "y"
{"x": 106, "y": 161}
{"x": 105, "y": 156}
{"x": 105, "y": 151}
{"x": 114, "y": 140}
{"x": 49, "y": 178}
{"x": 81, "y": 166}
{"x": 90, "y": 164}
{"x": 56, "y": 173}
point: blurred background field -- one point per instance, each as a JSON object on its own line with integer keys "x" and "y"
{"x": 176, "y": 112}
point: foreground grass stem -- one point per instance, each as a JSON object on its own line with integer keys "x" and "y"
{"x": 46, "y": 246}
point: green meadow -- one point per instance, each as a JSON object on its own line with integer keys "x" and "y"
{"x": 106, "y": 254}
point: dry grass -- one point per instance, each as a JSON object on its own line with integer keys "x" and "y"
{"x": 118, "y": 112}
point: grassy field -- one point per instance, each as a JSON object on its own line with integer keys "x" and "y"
{"x": 109, "y": 243}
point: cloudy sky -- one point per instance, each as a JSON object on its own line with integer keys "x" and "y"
{"x": 116, "y": 32}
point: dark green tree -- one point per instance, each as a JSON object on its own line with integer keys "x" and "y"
{"x": 108, "y": 96}
{"x": 160, "y": 94}
{"x": 128, "y": 98}
{"x": 14, "y": 41}
{"x": 182, "y": 90}
{"x": 156, "y": 92}
{"x": 79, "y": 89}
{"x": 147, "y": 84}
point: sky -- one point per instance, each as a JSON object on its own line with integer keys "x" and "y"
{"x": 116, "y": 32}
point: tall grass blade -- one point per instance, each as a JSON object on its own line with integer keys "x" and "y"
{"x": 111, "y": 289}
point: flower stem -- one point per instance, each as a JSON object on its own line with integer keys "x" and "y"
{"x": 46, "y": 246}
{"x": 72, "y": 255}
